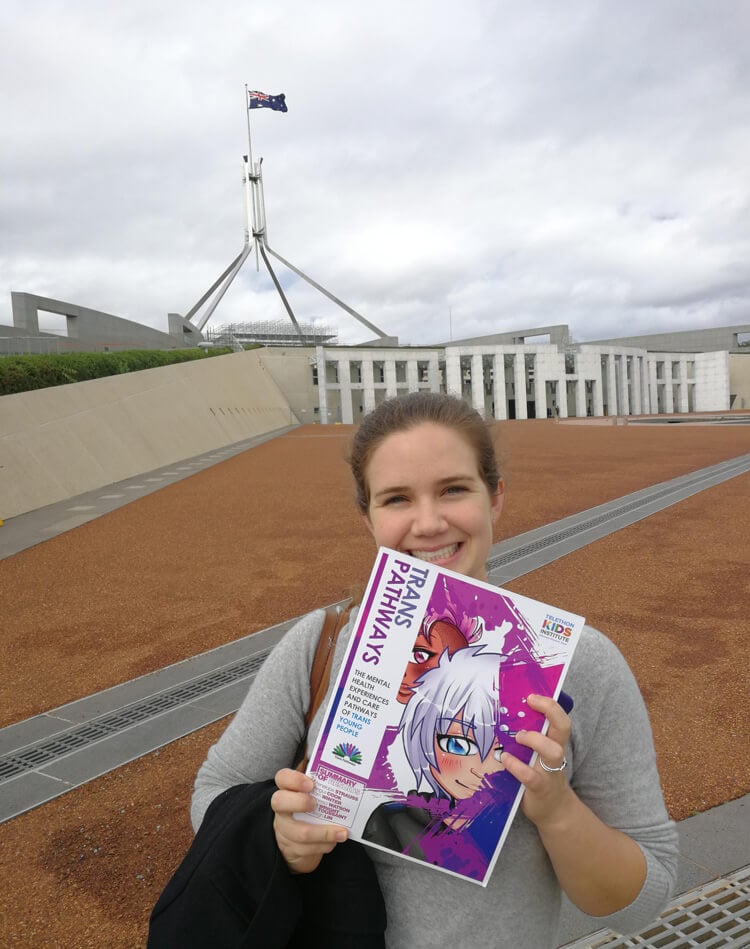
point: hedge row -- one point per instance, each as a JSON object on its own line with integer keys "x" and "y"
{"x": 21, "y": 373}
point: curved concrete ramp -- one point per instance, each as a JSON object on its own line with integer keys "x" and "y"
{"x": 61, "y": 442}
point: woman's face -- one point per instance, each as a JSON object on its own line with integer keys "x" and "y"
{"x": 428, "y": 499}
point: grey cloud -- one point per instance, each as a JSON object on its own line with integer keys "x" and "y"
{"x": 535, "y": 163}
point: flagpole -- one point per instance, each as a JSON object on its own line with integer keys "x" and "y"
{"x": 247, "y": 113}
{"x": 251, "y": 175}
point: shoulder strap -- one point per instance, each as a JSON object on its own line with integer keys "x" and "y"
{"x": 320, "y": 672}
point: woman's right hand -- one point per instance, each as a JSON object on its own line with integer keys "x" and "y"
{"x": 302, "y": 844}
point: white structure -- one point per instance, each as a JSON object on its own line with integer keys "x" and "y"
{"x": 514, "y": 380}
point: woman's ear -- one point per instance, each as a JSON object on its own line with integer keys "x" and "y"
{"x": 496, "y": 501}
{"x": 368, "y": 524}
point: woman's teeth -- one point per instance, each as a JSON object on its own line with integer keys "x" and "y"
{"x": 432, "y": 555}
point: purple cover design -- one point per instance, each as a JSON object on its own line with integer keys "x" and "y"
{"x": 432, "y": 691}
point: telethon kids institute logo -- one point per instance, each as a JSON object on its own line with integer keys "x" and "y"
{"x": 557, "y": 628}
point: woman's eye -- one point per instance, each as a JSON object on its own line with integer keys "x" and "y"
{"x": 395, "y": 499}
{"x": 420, "y": 655}
{"x": 455, "y": 489}
{"x": 456, "y": 745}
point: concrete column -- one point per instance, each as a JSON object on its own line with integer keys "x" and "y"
{"x": 412, "y": 375}
{"x": 562, "y": 389}
{"x": 637, "y": 407}
{"x": 453, "y": 373}
{"x": 368, "y": 386}
{"x": 25, "y": 313}
{"x": 320, "y": 361}
{"x": 519, "y": 381}
{"x": 684, "y": 403}
{"x": 433, "y": 374}
{"x": 345, "y": 385}
{"x": 653, "y": 388}
{"x": 580, "y": 391}
{"x": 598, "y": 390}
{"x": 611, "y": 386}
{"x": 625, "y": 407}
{"x": 498, "y": 385}
{"x": 477, "y": 383}
{"x": 668, "y": 393}
{"x": 390, "y": 378}
{"x": 540, "y": 389}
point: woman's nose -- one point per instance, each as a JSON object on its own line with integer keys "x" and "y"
{"x": 428, "y": 518}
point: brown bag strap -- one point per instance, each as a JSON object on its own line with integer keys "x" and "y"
{"x": 320, "y": 672}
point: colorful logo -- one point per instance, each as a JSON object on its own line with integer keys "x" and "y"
{"x": 553, "y": 624}
{"x": 348, "y": 752}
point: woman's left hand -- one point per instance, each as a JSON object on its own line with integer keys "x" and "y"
{"x": 601, "y": 869}
{"x": 547, "y": 793}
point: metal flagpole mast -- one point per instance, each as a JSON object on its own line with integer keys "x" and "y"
{"x": 251, "y": 176}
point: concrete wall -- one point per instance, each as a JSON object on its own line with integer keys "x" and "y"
{"x": 291, "y": 369}
{"x": 59, "y": 442}
{"x": 90, "y": 330}
{"x": 685, "y": 341}
{"x": 712, "y": 382}
{"x": 739, "y": 380}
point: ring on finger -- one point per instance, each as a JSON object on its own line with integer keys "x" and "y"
{"x": 546, "y": 767}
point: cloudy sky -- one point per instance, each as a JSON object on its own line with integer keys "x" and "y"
{"x": 441, "y": 168}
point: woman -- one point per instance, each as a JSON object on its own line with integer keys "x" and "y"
{"x": 593, "y": 821}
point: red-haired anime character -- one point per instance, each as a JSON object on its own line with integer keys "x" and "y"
{"x": 436, "y": 635}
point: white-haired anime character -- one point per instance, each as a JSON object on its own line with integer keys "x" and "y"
{"x": 452, "y": 738}
{"x": 450, "y": 726}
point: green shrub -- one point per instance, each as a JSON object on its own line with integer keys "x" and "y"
{"x": 21, "y": 373}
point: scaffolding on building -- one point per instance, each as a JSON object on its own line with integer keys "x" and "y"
{"x": 273, "y": 333}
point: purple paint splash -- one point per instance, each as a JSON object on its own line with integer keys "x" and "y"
{"x": 462, "y": 836}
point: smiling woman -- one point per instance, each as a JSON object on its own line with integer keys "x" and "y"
{"x": 427, "y": 484}
{"x": 428, "y": 499}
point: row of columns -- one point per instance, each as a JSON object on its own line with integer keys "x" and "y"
{"x": 635, "y": 397}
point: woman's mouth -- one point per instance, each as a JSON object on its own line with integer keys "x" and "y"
{"x": 436, "y": 556}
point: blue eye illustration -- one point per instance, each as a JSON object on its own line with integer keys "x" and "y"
{"x": 456, "y": 745}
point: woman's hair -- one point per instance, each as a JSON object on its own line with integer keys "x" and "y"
{"x": 462, "y": 688}
{"x": 408, "y": 411}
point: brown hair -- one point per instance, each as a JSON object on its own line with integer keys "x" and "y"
{"x": 408, "y": 411}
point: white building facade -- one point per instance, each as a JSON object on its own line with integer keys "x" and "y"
{"x": 538, "y": 380}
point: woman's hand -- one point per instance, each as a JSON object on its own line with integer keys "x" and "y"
{"x": 302, "y": 844}
{"x": 547, "y": 795}
{"x": 600, "y": 868}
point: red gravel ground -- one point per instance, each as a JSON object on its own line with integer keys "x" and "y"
{"x": 272, "y": 533}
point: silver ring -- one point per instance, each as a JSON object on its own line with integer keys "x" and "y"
{"x": 546, "y": 767}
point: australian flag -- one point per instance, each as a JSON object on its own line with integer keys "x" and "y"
{"x": 259, "y": 100}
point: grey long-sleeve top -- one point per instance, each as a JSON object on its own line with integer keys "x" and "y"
{"x": 611, "y": 766}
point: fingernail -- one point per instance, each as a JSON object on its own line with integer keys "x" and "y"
{"x": 340, "y": 836}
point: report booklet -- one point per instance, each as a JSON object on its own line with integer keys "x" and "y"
{"x": 432, "y": 690}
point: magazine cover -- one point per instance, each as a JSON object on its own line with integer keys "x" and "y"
{"x": 431, "y": 691}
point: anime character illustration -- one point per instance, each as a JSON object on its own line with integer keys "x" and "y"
{"x": 437, "y": 633}
{"x": 452, "y": 735}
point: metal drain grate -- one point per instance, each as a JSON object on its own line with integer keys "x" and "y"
{"x": 713, "y": 916}
{"x": 43, "y": 752}
{"x": 550, "y": 540}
